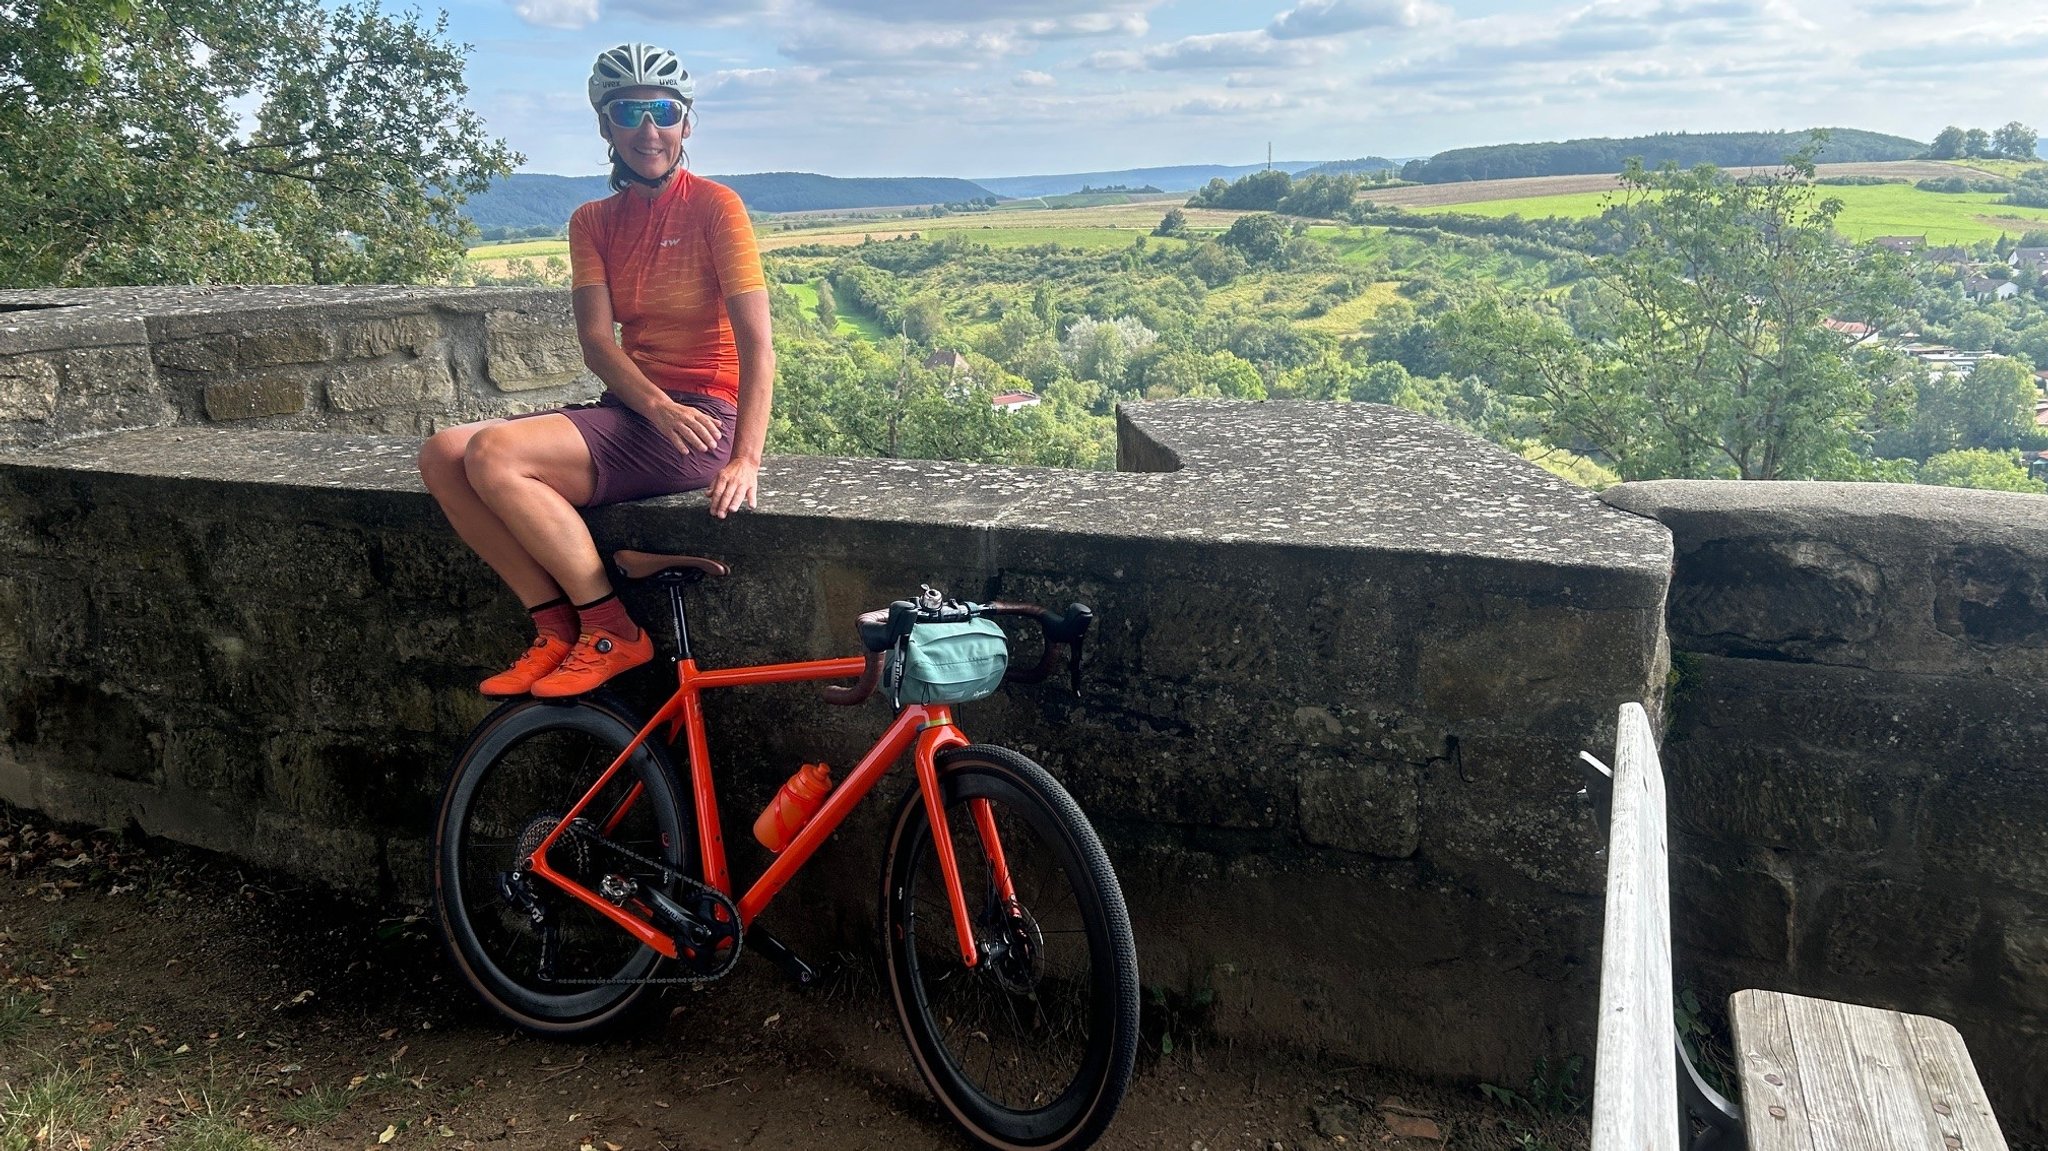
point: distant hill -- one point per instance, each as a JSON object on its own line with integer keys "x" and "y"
{"x": 1182, "y": 178}
{"x": 1340, "y": 167}
{"x": 527, "y": 199}
{"x": 1591, "y": 156}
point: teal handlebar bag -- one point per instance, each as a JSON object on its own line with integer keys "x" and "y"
{"x": 949, "y": 662}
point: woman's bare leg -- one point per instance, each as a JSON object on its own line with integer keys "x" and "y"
{"x": 511, "y": 489}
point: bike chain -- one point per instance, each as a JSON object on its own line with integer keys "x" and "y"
{"x": 669, "y": 873}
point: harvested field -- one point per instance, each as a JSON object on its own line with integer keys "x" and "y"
{"x": 1479, "y": 191}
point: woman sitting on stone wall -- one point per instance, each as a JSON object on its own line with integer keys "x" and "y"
{"x": 671, "y": 259}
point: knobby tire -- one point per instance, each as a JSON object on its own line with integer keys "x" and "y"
{"x": 529, "y": 761}
{"x": 1033, "y": 1050}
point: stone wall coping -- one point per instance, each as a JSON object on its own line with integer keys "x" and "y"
{"x": 1837, "y": 503}
{"x": 1318, "y": 476}
{"x": 47, "y": 319}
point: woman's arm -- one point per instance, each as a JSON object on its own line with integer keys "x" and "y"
{"x": 755, "y": 342}
{"x": 690, "y": 429}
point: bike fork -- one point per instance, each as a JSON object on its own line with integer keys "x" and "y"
{"x": 936, "y": 735}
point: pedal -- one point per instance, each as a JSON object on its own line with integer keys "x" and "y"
{"x": 802, "y": 973}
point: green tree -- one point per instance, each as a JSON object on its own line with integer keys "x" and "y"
{"x": 1216, "y": 264}
{"x": 1321, "y": 196}
{"x": 125, "y": 156}
{"x": 1977, "y": 143}
{"x": 1173, "y": 223}
{"x": 1948, "y": 145}
{"x": 922, "y": 319}
{"x": 1980, "y": 468}
{"x": 1701, "y": 351}
{"x": 2015, "y": 141}
{"x": 1260, "y": 237}
{"x": 1990, "y": 407}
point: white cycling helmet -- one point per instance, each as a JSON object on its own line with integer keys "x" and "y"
{"x": 638, "y": 66}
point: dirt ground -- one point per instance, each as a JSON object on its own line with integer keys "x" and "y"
{"x": 152, "y": 996}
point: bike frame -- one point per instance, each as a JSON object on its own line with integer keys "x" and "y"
{"x": 924, "y": 729}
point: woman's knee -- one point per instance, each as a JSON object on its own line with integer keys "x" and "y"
{"x": 440, "y": 459}
{"x": 492, "y": 454}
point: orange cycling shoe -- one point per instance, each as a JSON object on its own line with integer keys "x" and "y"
{"x": 544, "y": 656}
{"x": 597, "y": 657}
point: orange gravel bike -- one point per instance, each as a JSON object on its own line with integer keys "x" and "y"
{"x": 565, "y": 887}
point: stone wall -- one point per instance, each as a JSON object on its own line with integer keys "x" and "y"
{"x": 1345, "y": 657}
{"x": 1857, "y": 748}
{"x": 395, "y": 360}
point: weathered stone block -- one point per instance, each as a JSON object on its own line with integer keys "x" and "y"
{"x": 2023, "y": 963}
{"x": 1374, "y": 808}
{"x": 1993, "y": 596}
{"x": 1734, "y": 907}
{"x": 1781, "y": 797}
{"x": 1893, "y": 935}
{"x": 523, "y": 352}
{"x": 263, "y": 349}
{"x": 249, "y": 399}
{"x": 28, "y": 388}
{"x": 1990, "y": 822}
{"x": 369, "y": 339}
{"x": 1777, "y": 594}
{"x": 363, "y": 387}
{"x": 214, "y": 353}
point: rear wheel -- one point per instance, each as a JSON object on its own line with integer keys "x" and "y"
{"x": 532, "y": 952}
{"x": 1032, "y": 1047}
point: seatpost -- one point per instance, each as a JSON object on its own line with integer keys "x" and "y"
{"x": 682, "y": 622}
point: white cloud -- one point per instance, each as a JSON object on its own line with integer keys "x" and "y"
{"x": 1091, "y": 24}
{"x": 1030, "y": 79}
{"x": 1336, "y": 17}
{"x": 927, "y": 48}
{"x": 1216, "y": 105}
{"x": 558, "y": 13}
{"x": 1222, "y": 51}
{"x": 978, "y": 11}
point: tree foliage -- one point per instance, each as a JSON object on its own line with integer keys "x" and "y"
{"x": 130, "y": 154}
{"x": 1701, "y": 350}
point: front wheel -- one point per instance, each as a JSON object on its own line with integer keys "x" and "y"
{"x": 531, "y": 951}
{"x": 1032, "y": 1047}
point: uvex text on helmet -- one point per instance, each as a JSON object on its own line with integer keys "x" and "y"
{"x": 638, "y": 66}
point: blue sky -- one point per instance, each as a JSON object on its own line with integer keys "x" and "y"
{"x": 1016, "y": 87}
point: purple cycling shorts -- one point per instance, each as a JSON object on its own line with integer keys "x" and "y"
{"x": 633, "y": 460}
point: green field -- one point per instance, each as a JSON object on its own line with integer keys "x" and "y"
{"x": 1094, "y": 238}
{"x": 1867, "y": 211}
{"x": 520, "y": 250}
{"x": 851, "y": 323}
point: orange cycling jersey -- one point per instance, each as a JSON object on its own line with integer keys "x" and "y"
{"x": 670, "y": 263}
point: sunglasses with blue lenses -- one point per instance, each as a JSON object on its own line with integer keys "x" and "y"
{"x": 665, "y": 113}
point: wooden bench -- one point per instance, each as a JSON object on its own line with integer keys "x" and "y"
{"x": 1815, "y": 1075}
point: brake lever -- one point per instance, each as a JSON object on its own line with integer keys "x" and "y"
{"x": 1082, "y": 617}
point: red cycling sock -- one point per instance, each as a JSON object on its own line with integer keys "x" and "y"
{"x": 609, "y": 614}
{"x": 555, "y": 618}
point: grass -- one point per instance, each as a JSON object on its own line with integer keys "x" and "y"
{"x": 1867, "y": 211}
{"x": 852, "y": 321}
{"x": 519, "y": 249}
{"x": 1355, "y": 314}
{"x": 319, "y": 1106}
{"x": 16, "y": 1013}
{"x": 58, "y": 1108}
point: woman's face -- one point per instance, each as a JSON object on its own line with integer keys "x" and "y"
{"x": 651, "y": 151}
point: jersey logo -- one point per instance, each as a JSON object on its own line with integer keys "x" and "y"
{"x": 672, "y": 241}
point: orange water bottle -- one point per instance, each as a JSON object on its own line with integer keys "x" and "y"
{"x": 793, "y": 806}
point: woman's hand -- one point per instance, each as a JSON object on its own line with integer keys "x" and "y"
{"x": 689, "y": 429}
{"x": 735, "y": 485}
